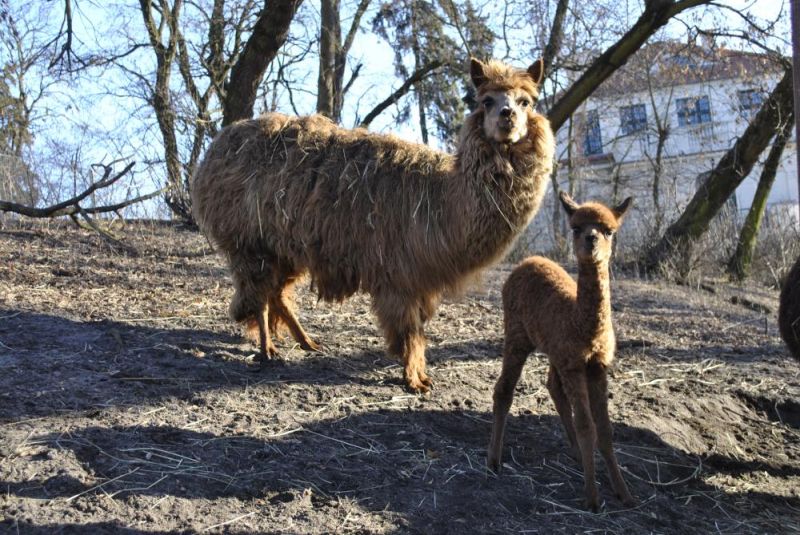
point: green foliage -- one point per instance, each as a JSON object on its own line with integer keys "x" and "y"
{"x": 428, "y": 32}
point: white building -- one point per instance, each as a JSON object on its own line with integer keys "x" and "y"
{"x": 683, "y": 107}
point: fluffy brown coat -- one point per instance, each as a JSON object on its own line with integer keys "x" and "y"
{"x": 284, "y": 196}
{"x": 546, "y": 311}
{"x": 789, "y": 311}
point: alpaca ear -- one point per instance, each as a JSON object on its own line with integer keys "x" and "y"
{"x": 566, "y": 201}
{"x": 477, "y": 72}
{"x": 619, "y": 211}
{"x": 536, "y": 71}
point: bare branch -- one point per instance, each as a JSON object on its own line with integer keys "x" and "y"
{"x": 416, "y": 77}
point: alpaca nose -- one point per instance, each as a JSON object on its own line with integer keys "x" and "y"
{"x": 505, "y": 112}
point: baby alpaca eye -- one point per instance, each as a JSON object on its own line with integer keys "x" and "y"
{"x": 487, "y": 102}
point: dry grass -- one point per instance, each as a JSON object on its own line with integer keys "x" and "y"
{"x": 128, "y": 403}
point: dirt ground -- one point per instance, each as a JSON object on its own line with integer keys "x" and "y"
{"x": 128, "y": 405}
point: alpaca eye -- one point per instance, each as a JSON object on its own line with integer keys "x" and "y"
{"x": 487, "y": 102}
{"x": 576, "y": 230}
{"x": 524, "y": 102}
{"x": 608, "y": 233}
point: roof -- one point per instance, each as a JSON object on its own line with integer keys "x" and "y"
{"x": 670, "y": 63}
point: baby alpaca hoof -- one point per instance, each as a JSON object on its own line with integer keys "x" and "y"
{"x": 629, "y": 501}
{"x": 593, "y": 505}
{"x": 493, "y": 464}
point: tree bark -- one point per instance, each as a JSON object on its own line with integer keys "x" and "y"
{"x": 330, "y": 40}
{"x": 740, "y": 262}
{"x": 269, "y": 33}
{"x": 556, "y": 36}
{"x": 656, "y": 14}
{"x": 723, "y": 180}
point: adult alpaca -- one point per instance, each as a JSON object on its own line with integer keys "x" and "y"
{"x": 283, "y": 196}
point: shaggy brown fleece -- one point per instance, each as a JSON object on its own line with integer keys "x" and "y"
{"x": 284, "y": 196}
{"x": 544, "y": 310}
{"x": 789, "y": 311}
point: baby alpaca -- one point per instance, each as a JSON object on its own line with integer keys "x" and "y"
{"x": 546, "y": 311}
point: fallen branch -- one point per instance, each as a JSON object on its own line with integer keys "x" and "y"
{"x": 72, "y": 206}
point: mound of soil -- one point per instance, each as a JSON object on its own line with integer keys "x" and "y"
{"x": 129, "y": 404}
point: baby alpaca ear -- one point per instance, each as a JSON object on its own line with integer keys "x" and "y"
{"x": 536, "y": 71}
{"x": 477, "y": 72}
{"x": 619, "y": 211}
{"x": 566, "y": 201}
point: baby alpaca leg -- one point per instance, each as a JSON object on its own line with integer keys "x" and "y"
{"x": 515, "y": 352}
{"x": 575, "y": 387}
{"x": 598, "y": 399}
{"x": 563, "y": 407}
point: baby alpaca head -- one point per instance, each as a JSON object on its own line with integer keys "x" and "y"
{"x": 506, "y": 97}
{"x": 593, "y": 227}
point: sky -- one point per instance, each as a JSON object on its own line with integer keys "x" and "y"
{"x": 88, "y": 108}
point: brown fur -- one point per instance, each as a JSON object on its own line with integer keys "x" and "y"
{"x": 546, "y": 311}
{"x": 789, "y": 311}
{"x": 284, "y": 196}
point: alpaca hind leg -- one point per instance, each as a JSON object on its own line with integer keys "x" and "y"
{"x": 598, "y": 400}
{"x": 563, "y": 408}
{"x": 515, "y": 353}
{"x": 249, "y": 303}
{"x": 575, "y": 387}
{"x": 284, "y": 312}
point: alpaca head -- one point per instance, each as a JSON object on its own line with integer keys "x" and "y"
{"x": 506, "y": 97}
{"x": 593, "y": 227}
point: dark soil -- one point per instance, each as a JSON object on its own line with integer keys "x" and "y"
{"x": 128, "y": 404}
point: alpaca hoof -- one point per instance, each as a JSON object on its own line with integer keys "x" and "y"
{"x": 310, "y": 345}
{"x": 420, "y": 384}
{"x": 629, "y": 501}
{"x": 493, "y": 464}
{"x": 593, "y": 505}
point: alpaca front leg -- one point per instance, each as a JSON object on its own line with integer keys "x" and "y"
{"x": 405, "y": 337}
{"x": 598, "y": 399}
{"x": 413, "y": 355}
{"x": 575, "y": 387}
{"x": 514, "y": 358}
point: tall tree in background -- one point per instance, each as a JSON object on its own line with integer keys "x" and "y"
{"x": 229, "y": 76}
{"x": 722, "y": 181}
{"x": 742, "y": 259}
{"x": 333, "y": 57}
{"x": 422, "y": 30}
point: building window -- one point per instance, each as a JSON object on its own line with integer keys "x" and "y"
{"x": 750, "y": 101}
{"x": 593, "y": 140}
{"x": 696, "y": 110}
{"x": 633, "y": 119}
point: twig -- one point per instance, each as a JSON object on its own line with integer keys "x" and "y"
{"x": 231, "y": 521}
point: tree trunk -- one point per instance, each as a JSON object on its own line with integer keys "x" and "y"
{"x": 330, "y": 40}
{"x": 739, "y": 264}
{"x": 269, "y": 33}
{"x": 656, "y": 14}
{"x": 556, "y": 35}
{"x": 723, "y": 180}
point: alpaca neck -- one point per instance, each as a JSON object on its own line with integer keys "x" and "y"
{"x": 594, "y": 299}
{"x": 505, "y": 184}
